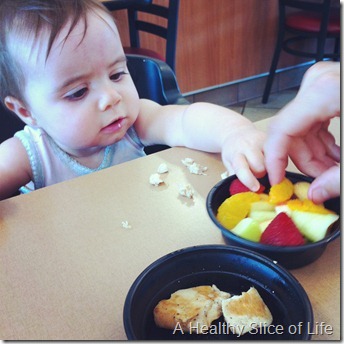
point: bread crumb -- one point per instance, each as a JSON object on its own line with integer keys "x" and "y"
{"x": 155, "y": 179}
{"x": 162, "y": 168}
{"x": 186, "y": 191}
{"x": 194, "y": 167}
{"x": 224, "y": 175}
{"x": 126, "y": 225}
{"x": 187, "y": 161}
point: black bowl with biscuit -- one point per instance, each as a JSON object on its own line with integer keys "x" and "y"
{"x": 290, "y": 257}
{"x": 281, "y": 310}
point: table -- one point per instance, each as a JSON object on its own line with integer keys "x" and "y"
{"x": 66, "y": 262}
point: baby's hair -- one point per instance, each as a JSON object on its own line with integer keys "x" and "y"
{"x": 30, "y": 18}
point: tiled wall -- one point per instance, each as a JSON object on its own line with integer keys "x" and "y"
{"x": 242, "y": 90}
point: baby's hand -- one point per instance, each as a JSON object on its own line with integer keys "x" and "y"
{"x": 242, "y": 154}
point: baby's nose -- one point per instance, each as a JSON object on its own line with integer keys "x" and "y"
{"x": 109, "y": 97}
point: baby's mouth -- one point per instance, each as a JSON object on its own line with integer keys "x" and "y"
{"x": 114, "y": 126}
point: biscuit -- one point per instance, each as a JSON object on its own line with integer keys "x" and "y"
{"x": 246, "y": 311}
{"x": 192, "y": 309}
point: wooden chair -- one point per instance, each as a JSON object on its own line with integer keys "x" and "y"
{"x": 305, "y": 20}
{"x": 168, "y": 31}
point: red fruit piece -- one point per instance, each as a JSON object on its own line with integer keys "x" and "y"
{"x": 282, "y": 232}
{"x": 237, "y": 187}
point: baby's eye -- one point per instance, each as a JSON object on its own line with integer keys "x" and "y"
{"x": 77, "y": 95}
{"x": 117, "y": 76}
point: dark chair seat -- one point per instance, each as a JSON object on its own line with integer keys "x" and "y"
{"x": 155, "y": 80}
{"x": 311, "y": 22}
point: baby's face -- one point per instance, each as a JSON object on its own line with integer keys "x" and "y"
{"x": 81, "y": 95}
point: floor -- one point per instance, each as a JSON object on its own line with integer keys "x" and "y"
{"x": 255, "y": 110}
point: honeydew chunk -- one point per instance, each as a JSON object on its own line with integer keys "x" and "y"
{"x": 283, "y": 209}
{"x": 263, "y": 225}
{"x": 312, "y": 225}
{"x": 301, "y": 190}
{"x": 248, "y": 229}
{"x": 262, "y": 205}
{"x": 261, "y": 216}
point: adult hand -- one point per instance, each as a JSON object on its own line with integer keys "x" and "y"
{"x": 300, "y": 131}
{"x": 326, "y": 186}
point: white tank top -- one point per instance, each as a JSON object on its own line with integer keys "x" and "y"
{"x": 51, "y": 165}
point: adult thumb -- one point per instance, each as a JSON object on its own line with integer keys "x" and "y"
{"x": 325, "y": 186}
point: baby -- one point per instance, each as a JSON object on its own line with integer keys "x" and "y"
{"x": 63, "y": 72}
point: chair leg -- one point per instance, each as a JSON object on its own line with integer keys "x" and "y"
{"x": 336, "y": 49}
{"x": 271, "y": 75}
{"x": 320, "y": 48}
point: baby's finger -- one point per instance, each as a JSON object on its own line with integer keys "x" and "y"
{"x": 256, "y": 162}
{"x": 243, "y": 172}
{"x": 276, "y": 159}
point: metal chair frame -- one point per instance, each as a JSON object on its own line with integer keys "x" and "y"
{"x": 288, "y": 45}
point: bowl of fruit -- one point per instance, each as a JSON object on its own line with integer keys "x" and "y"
{"x": 279, "y": 222}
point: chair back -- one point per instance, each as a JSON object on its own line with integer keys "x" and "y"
{"x": 168, "y": 32}
{"x": 154, "y": 80}
{"x": 10, "y": 123}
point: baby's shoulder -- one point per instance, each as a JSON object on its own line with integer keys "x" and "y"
{"x": 15, "y": 169}
{"x": 13, "y": 152}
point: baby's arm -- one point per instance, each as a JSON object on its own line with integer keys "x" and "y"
{"x": 15, "y": 169}
{"x": 210, "y": 128}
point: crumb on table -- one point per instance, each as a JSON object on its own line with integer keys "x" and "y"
{"x": 125, "y": 224}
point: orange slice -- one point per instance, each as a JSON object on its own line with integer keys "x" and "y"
{"x": 281, "y": 192}
{"x": 236, "y": 208}
{"x": 308, "y": 205}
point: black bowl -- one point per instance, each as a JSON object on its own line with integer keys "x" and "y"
{"x": 289, "y": 257}
{"x": 231, "y": 269}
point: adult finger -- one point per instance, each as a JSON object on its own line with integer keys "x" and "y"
{"x": 332, "y": 149}
{"x": 306, "y": 161}
{"x": 276, "y": 156}
{"x": 326, "y": 186}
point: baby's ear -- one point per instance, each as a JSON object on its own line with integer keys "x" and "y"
{"x": 19, "y": 108}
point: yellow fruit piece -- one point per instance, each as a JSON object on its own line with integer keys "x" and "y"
{"x": 301, "y": 190}
{"x": 264, "y": 197}
{"x": 281, "y": 192}
{"x": 308, "y": 205}
{"x": 235, "y": 208}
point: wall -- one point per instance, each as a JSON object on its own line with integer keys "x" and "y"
{"x": 220, "y": 41}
